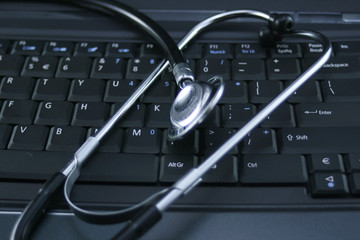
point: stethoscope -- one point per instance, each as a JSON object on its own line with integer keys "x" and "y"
{"x": 193, "y": 103}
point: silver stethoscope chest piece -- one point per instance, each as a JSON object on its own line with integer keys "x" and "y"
{"x": 193, "y": 103}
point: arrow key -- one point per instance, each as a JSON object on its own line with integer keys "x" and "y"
{"x": 329, "y": 184}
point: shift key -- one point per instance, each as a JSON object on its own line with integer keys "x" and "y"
{"x": 273, "y": 169}
{"x": 319, "y": 140}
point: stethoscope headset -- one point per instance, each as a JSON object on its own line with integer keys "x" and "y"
{"x": 193, "y": 103}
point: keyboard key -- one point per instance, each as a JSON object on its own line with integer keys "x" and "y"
{"x": 352, "y": 162}
{"x": 125, "y": 50}
{"x": 162, "y": 91}
{"x": 140, "y": 68}
{"x": 101, "y": 167}
{"x": 260, "y": 140}
{"x": 218, "y": 50}
{"x": 16, "y": 88}
{"x": 142, "y": 140}
{"x": 283, "y": 116}
{"x": 225, "y": 171}
{"x": 18, "y": 111}
{"x": 336, "y": 67}
{"x": 54, "y": 113}
{"x": 122, "y": 168}
{"x": 28, "y": 137}
{"x": 150, "y": 50}
{"x": 134, "y": 117}
{"x": 86, "y": 90}
{"x": 319, "y": 140}
{"x": 212, "y": 120}
{"x": 347, "y": 48}
{"x": 264, "y": 91}
{"x": 5, "y": 131}
{"x": 112, "y": 142}
{"x": 312, "y": 49}
{"x": 248, "y": 69}
{"x": 108, "y": 68}
{"x": 327, "y": 114}
{"x": 90, "y": 114}
{"x": 74, "y": 67}
{"x": 10, "y": 65}
{"x": 338, "y": 90}
{"x": 237, "y": 115}
{"x": 89, "y": 49}
{"x": 188, "y": 145}
{"x": 286, "y": 50}
{"x": 193, "y": 51}
{"x": 354, "y": 183}
{"x": 27, "y": 47}
{"x": 172, "y": 166}
{"x": 326, "y": 162}
{"x": 325, "y": 184}
{"x": 235, "y": 92}
{"x": 58, "y": 48}
{"x": 39, "y": 66}
{"x": 4, "y": 44}
{"x": 250, "y": 50}
{"x": 273, "y": 169}
{"x": 51, "y": 89}
{"x": 119, "y": 90}
{"x": 283, "y": 69}
{"x": 207, "y": 68}
{"x": 212, "y": 139}
{"x": 25, "y": 164}
{"x": 308, "y": 92}
{"x": 158, "y": 115}
{"x": 65, "y": 138}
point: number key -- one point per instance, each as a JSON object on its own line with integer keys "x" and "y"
{"x": 74, "y": 67}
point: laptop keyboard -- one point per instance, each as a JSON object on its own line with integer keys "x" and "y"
{"x": 55, "y": 94}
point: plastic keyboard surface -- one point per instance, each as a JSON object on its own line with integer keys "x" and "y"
{"x": 55, "y": 94}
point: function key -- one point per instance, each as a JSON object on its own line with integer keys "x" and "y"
{"x": 91, "y": 49}
{"x": 219, "y": 50}
{"x": 57, "y": 48}
{"x": 193, "y": 51}
{"x": 25, "y": 47}
{"x": 250, "y": 50}
{"x": 347, "y": 48}
{"x": 286, "y": 50}
{"x": 4, "y": 44}
{"x": 150, "y": 50}
{"x": 125, "y": 50}
{"x": 312, "y": 49}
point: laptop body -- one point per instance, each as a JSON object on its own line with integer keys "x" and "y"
{"x": 269, "y": 218}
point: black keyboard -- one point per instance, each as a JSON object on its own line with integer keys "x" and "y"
{"x": 55, "y": 94}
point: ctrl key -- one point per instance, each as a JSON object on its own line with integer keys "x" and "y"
{"x": 329, "y": 184}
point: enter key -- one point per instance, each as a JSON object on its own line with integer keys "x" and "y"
{"x": 327, "y": 114}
